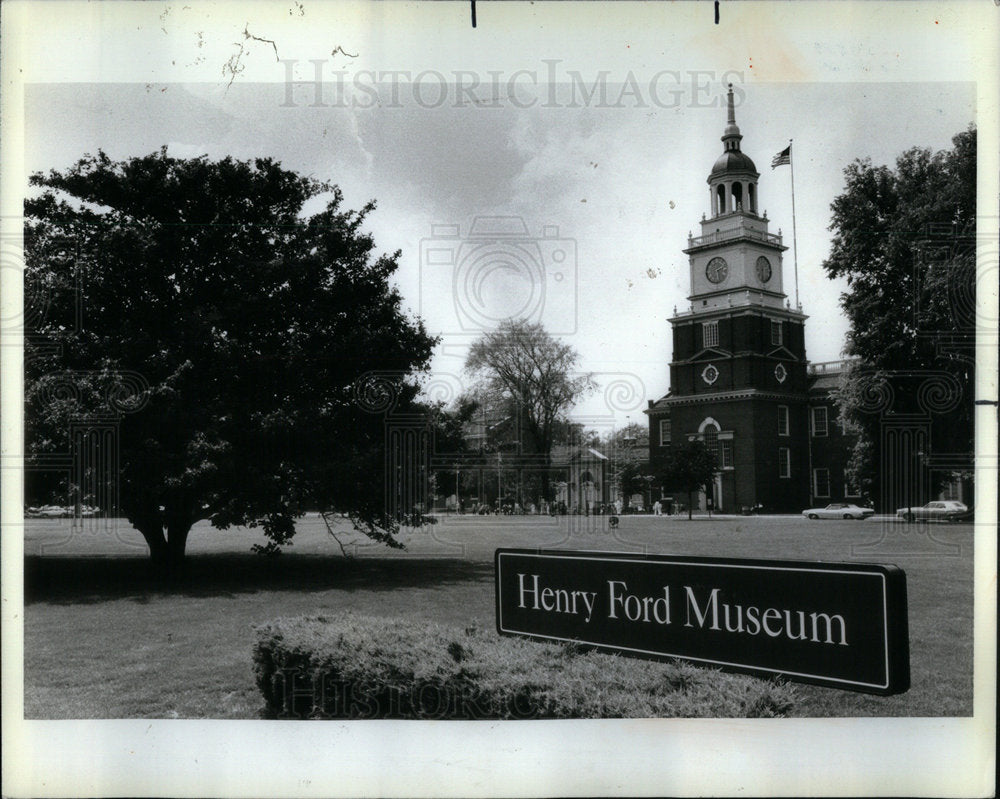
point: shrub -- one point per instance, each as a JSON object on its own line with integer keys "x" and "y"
{"x": 358, "y": 667}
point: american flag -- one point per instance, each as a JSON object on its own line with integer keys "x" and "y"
{"x": 784, "y": 157}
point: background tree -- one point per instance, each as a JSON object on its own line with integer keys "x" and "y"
{"x": 689, "y": 467}
{"x": 519, "y": 366}
{"x": 627, "y": 449}
{"x": 449, "y": 426}
{"x": 232, "y": 335}
{"x": 905, "y": 240}
{"x": 574, "y": 434}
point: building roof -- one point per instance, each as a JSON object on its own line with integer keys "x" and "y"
{"x": 825, "y": 383}
{"x": 563, "y": 454}
{"x": 733, "y": 161}
{"x": 659, "y": 404}
{"x": 829, "y": 375}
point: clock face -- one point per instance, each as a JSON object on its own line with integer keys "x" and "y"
{"x": 717, "y": 270}
{"x": 710, "y": 374}
{"x": 763, "y": 269}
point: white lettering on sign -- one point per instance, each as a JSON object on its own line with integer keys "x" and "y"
{"x": 634, "y": 608}
{"x": 558, "y": 600}
{"x": 772, "y": 621}
{"x": 703, "y": 611}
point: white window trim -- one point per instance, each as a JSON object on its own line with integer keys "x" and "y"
{"x": 826, "y": 422}
{"x": 816, "y": 483}
{"x": 732, "y": 454}
{"x": 777, "y": 326}
{"x": 788, "y": 421}
{"x": 789, "y": 474}
{"x": 662, "y": 442}
{"x": 705, "y": 328}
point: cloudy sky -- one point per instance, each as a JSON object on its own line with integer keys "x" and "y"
{"x": 605, "y": 163}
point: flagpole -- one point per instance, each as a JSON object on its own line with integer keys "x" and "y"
{"x": 795, "y": 247}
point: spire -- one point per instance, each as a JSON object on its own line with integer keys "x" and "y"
{"x": 731, "y": 137}
{"x": 733, "y": 179}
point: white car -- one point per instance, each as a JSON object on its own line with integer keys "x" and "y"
{"x": 839, "y": 510}
{"x": 49, "y": 512}
{"x": 60, "y": 512}
{"x": 948, "y": 510}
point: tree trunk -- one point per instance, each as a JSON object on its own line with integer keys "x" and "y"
{"x": 166, "y": 551}
{"x": 177, "y": 534}
{"x": 689, "y": 506}
{"x": 546, "y": 477}
{"x": 152, "y": 531}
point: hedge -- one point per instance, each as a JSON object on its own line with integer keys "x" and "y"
{"x": 358, "y": 667}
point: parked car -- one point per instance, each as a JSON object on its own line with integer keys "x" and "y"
{"x": 60, "y": 511}
{"x": 946, "y": 510}
{"x": 49, "y": 512}
{"x": 839, "y": 510}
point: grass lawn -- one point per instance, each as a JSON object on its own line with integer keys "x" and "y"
{"x": 99, "y": 642}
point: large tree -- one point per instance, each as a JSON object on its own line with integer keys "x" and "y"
{"x": 521, "y": 368}
{"x": 690, "y": 467}
{"x": 904, "y": 239}
{"x": 244, "y": 348}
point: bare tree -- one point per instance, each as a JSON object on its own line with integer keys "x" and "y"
{"x": 520, "y": 365}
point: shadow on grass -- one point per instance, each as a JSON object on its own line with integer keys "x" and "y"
{"x": 66, "y": 580}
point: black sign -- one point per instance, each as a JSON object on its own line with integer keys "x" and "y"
{"x": 841, "y": 625}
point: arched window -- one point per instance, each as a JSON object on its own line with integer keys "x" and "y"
{"x": 709, "y": 432}
{"x": 752, "y": 197}
{"x": 712, "y": 442}
{"x": 737, "y": 196}
{"x": 720, "y": 200}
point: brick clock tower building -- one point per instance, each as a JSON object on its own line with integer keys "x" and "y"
{"x": 739, "y": 378}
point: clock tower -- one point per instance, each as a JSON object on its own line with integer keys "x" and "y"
{"x": 738, "y": 378}
{"x": 735, "y": 260}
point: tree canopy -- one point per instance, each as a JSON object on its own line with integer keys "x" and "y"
{"x": 230, "y": 335}
{"x": 522, "y": 368}
{"x": 690, "y": 467}
{"x": 904, "y": 239}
